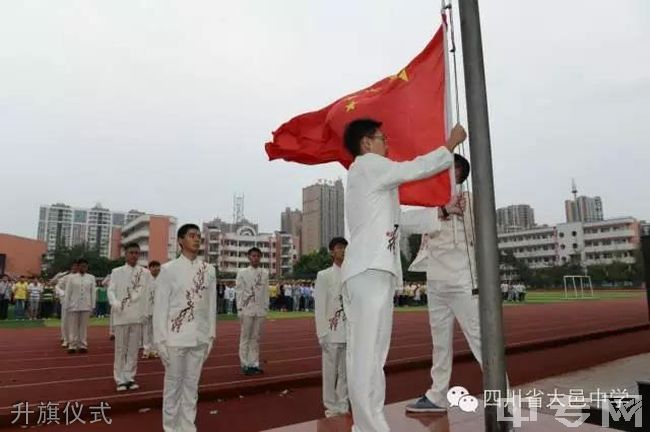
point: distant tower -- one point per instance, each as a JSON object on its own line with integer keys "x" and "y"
{"x": 574, "y": 190}
{"x": 237, "y": 208}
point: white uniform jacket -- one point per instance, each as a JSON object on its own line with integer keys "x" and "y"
{"x": 61, "y": 282}
{"x": 128, "y": 286}
{"x": 443, "y": 255}
{"x": 330, "y": 318}
{"x": 373, "y": 209}
{"x": 252, "y": 289}
{"x": 80, "y": 292}
{"x": 185, "y": 305}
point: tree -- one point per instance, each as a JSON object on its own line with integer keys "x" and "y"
{"x": 638, "y": 267}
{"x": 414, "y": 242}
{"x": 97, "y": 265}
{"x": 408, "y": 275}
{"x": 309, "y": 265}
{"x": 524, "y": 273}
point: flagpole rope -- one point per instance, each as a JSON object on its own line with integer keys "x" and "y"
{"x": 450, "y": 13}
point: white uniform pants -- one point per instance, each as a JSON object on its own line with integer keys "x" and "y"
{"x": 180, "y": 391}
{"x": 77, "y": 323}
{"x": 335, "y": 385}
{"x": 249, "y": 340}
{"x": 368, "y": 305}
{"x": 445, "y": 303}
{"x": 147, "y": 334}
{"x": 64, "y": 324}
{"x": 127, "y": 344}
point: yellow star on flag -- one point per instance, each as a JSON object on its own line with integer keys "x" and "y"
{"x": 401, "y": 75}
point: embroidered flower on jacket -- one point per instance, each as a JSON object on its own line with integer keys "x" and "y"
{"x": 392, "y": 239}
{"x": 132, "y": 288}
{"x": 195, "y": 292}
{"x": 256, "y": 286}
{"x": 339, "y": 315}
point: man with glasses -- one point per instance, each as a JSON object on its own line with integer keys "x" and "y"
{"x": 372, "y": 267}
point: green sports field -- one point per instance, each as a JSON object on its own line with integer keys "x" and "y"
{"x": 532, "y": 297}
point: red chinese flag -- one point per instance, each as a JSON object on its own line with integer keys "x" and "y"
{"x": 411, "y": 106}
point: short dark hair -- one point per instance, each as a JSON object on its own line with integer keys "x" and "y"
{"x": 356, "y": 130}
{"x": 82, "y": 261}
{"x": 185, "y": 228}
{"x": 254, "y": 249}
{"x": 153, "y": 263}
{"x": 131, "y": 245}
{"x": 463, "y": 163}
{"x": 338, "y": 241}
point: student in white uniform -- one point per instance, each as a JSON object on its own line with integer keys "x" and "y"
{"x": 60, "y": 292}
{"x": 184, "y": 328}
{"x": 447, "y": 256}
{"x": 230, "y": 299}
{"x": 330, "y": 329}
{"x": 252, "y": 291}
{"x": 80, "y": 295}
{"x": 372, "y": 267}
{"x": 127, "y": 295}
{"x": 288, "y": 298}
{"x": 148, "y": 350}
{"x": 504, "y": 290}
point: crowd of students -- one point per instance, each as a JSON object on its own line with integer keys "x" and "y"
{"x": 513, "y": 292}
{"x": 36, "y": 298}
{"x": 32, "y": 298}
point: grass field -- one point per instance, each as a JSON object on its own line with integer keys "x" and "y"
{"x": 532, "y": 297}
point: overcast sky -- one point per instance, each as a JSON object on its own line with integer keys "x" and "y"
{"x": 164, "y": 106}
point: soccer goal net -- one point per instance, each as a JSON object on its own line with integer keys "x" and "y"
{"x": 575, "y": 282}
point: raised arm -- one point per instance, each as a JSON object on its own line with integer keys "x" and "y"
{"x": 419, "y": 221}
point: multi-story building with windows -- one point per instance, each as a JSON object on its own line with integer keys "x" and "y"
{"x": 590, "y": 243}
{"x": 226, "y": 246}
{"x": 156, "y": 236}
{"x": 96, "y": 227}
{"x": 322, "y": 215}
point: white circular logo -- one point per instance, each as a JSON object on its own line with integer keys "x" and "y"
{"x": 455, "y": 394}
{"x": 468, "y": 404}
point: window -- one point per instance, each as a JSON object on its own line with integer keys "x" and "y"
{"x": 80, "y": 216}
{"x": 118, "y": 219}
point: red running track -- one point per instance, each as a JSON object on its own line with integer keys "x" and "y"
{"x": 35, "y": 369}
